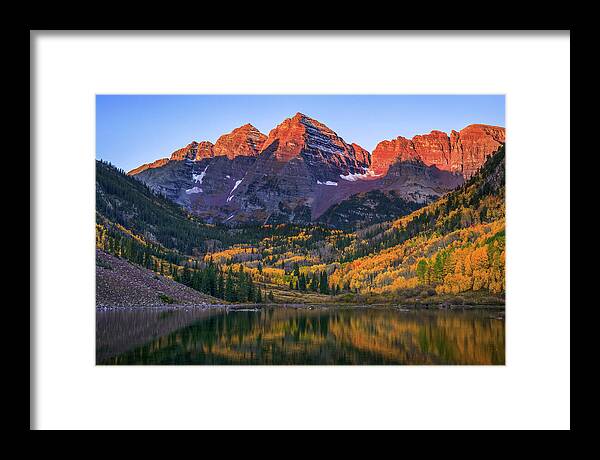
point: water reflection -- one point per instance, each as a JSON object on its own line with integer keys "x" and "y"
{"x": 299, "y": 336}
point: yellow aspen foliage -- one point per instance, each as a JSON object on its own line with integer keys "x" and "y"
{"x": 469, "y": 259}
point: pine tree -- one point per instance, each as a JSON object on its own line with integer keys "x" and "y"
{"x": 438, "y": 268}
{"x": 302, "y": 282}
{"x": 323, "y": 284}
{"x": 422, "y": 269}
{"x": 221, "y": 285}
{"x": 251, "y": 291}
{"x": 230, "y": 287}
{"x": 314, "y": 283}
{"x": 186, "y": 277}
{"x": 197, "y": 280}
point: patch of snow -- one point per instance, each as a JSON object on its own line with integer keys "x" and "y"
{"x": 230, "y": 217}
{"x": 199, "y": 177}
{"x": 355, "y": 177}
{"x": 189, "y": 191}
{"x": 237, "y": 183}
{"x": 228, "y": 176}
{"x": 327, "y": 183}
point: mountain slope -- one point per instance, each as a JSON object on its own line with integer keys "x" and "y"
{"x": 453, "y": 245}
{"x": 407, "y": 186}
{"x": 119, "y": 283}
{"x": 201, "y": 176}
{"x": 125, "y": 201}
{"x": 366, "y": 209}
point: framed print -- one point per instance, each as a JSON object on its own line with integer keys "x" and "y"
{"x": 300, "y": 230}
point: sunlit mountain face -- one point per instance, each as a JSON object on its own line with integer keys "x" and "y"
{"x": 303, "y": 170}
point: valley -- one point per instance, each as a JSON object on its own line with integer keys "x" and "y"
{"x": 448, "y": 252}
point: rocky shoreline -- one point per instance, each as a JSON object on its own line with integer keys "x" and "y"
{"x": 247, "y": 307}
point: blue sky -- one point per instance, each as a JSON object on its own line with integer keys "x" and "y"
{"x": 136, "y": 129}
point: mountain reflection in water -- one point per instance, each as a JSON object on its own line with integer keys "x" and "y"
{"x": 344, "y": 335}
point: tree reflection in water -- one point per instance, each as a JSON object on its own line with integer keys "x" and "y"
{"x": 300, "y": 336}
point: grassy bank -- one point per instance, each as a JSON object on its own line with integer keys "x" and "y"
{"x": 417, "y": 298}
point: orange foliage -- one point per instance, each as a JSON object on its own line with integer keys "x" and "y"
{"x": 464, "y": 260}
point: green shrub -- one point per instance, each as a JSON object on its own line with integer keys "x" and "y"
{"x": 166, "y": 299}
{"x": 103, "y": 264}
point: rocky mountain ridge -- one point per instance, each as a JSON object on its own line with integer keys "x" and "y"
{"x": 302, "y": 168}
{"x": 462, "y": 152}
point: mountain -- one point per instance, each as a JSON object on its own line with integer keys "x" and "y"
{"x": 462, "y": 152}
{"x": 302, "y": 170}
{"x": 301, "y": 160}
{"x": 201, "y": 186}
{"x": 194, "y": 151}
{"x": 243, "y": 141}
{"x": 249, "y": 177}
{"x": 326, "y": 155}
{"x": 185, "y": 178}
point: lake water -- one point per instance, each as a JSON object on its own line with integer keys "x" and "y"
{"x": 283, "y": 335}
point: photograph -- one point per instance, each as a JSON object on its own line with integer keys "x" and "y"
{"x": 300, "y": 230}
